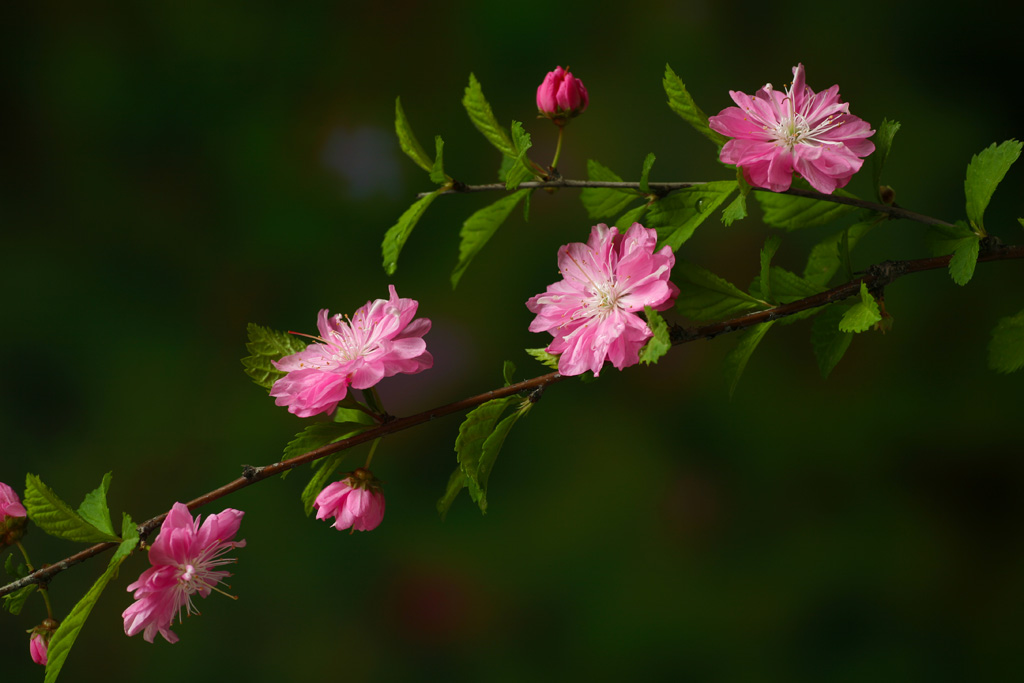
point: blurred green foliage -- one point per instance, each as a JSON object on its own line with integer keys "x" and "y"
{"x": 174, "y": 171}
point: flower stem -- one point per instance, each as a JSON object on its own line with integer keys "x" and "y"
{"x": 558, "y": 147}
{"x": 42, "y": 588}
{"x": 373, "y": 449}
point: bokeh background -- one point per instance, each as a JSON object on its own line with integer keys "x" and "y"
{"x": 172, "y": 171}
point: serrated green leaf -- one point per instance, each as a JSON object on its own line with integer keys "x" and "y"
{"x": 55, "y": 517}
{"x": 705, "y": 296}
{"x": 320, "y": 434}
{"x": 410, "y": 145}
{"x": 473, "y": 433}
{"x": 824, "y": 260}
{"x": 548, "y": 359}
{"x": 863, "y": 315}
{"x": 790, "y": 212}
{"x": 736, "y": 211}
{"x": 65, "y": 636}
{"x": 965, "y": 258}
{"x": 945, "y": 239}
{"x": 883, "y": 145}
{"x": 677, "y": 216}
{"x": 15, "y": 602}
{"x": 681, "y": 103}
{"x": 829, "y": 342}
{"x": 658, "y": 345}
{"x": 986, "y": 170}
{"x": 520, "y": 169}
{"x": 456, "y": 483}
{"x": 645, "y": 173}
{"x": 1006, "y": 349}
{"x": 480, "y": 227}
{"x": 327, "y": 466}
{"x": 771, "y": 245}
{"x": 492, "y": 446}
{"x": 397, "y": 234}
{"x": 480, "y": 114}
{"x": 94, "y": 508}
{"x": 437, "y": 173}
{"x": 736, "y": 360}
{"x": 604, "y": 203}
{"x": 343, "y": 414}
{"x": 626, "y": 220}
{"x": 17, "y": 571}
{"x": 789, "y": 287}
{"x": 266, "y": 345}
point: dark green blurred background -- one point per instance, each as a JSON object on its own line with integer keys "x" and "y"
{"x": 172, "y": 171}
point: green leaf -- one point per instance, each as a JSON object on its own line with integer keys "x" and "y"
{"x": 320, "y": 434}
{"x": 736, "y": 360}
{"x": 705, "y": 296}
{"x": 945, "y": 239}
{"x": 965, "y": 258}
{"x": 267, "y": 345}
{"x": 343, "y": 414}
{"x": 52, "y": 515}
{"x": 327, "y": 466}
{"x": 863, "y": 315}
{"x": 790, "y": 212}
{"x": 789, "y": 287}
{"x": 397, "y": 234}
{"x": 829, "y": 342}
{"x": 437, "y": 173}
{"x": 824, "y": 261}
{"x": 626, "y": 220}
{"x": 1006, "y": 350}
{"x": 94, "y": 508}
{"x": 456, "y": 483}
{"x": 473, "y": 433}
{"x": 483, "y": 118}
{"x": 65, "y": 636}
{"x": 410, "y": 145}
{"x": 15, "y": 602}
{"x": 645, "y": 173}
{"x": 736, "y": 211}
{"x": 659, "y": 344}
{"x": 508, "y": 371}
{"x": 771, "y": 245}
{"x": 520, "y": 169}
{"x": 604, "y": 203}
{"x": 984, "y": 174}
{"x": 883, "y": 145}
{"x": 479, "y": 228}
{"x": 492, "y": 446}
{"x": 548, "y": 359}
{"x": 681, "y": 103}
{"x": 677, "y": 216}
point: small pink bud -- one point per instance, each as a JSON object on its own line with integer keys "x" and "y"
{"x": 40, "y": 639}
{"x": 356, "y": 501}
{"x": 561, "y": 96}
{"x": 12, "y": 516}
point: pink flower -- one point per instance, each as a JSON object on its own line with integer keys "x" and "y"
{"x": 356, "y": 501}
{"x": 10, "y": 503}
{"x": 775, "y": 134}
{"x": 381, "y": 340}
{"x": 592, "y": 313}
{"x": 184, "y": 558}
{"x": 561, "y": 96}
{"x": 37, "y": 648}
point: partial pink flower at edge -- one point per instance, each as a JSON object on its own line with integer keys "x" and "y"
{"x": 778, "y": 133}
{"x": 382, "y": 339}
{"x": 10, "y": 503}
{"x": 185, "y": 558}
{"x": 356, "y": 501}
{"x": 593, "y": 312}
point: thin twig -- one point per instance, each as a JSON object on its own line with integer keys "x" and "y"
{"x": 877, "y": 277}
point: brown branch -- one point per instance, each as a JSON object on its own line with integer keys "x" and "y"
{"x": 876, "y": 278}
{"x": 662, "y": 189}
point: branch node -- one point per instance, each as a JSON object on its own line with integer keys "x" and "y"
{"x": 885, "y": 273}
{"x": 250, "y": 472}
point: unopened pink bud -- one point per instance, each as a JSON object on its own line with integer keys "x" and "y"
{"x": 356, "y": 501}
{"x": 40, "y": 639}
{"x": 561, "y": 96}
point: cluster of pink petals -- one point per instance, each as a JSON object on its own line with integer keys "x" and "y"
{"x": 776, "y": 134}
{"x": 37, "y": 648}
{"x": 382, "y": 339}
{"x": 593, "y": 311}
{"x": 561, "y": 96}
{"x": 356, "y": 501}
{"x": 10, "y": 503}
{"x": 185, "y": 558}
